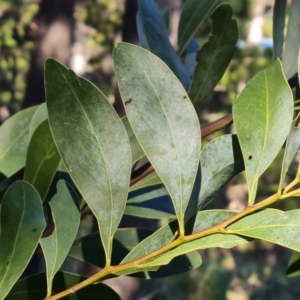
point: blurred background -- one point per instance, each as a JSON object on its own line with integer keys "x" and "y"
{"x": 81, "y": 34}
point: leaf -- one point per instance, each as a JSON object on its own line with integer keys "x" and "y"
{"x": 166, "y": 14}
{"x": 89, "y": 249}
{"x": 294, "y": 265}
{"x": 291, "y": 148}
{"x": 141, "y": 30}
{"x": 149, "y": 180}
{"x": 22, "y": 225}
{"x": 166, "y": 234}
{"x": 35, "y": 287}
{"x": 278, "y": 26}
{"x": 215, "y": 55}
{"x": 151, "y": 203}
{"x": 168, "y": 130}
{"x": 39, "y": 116}
{"x": 193, "y": 14}
{"x": 136, "y": 150}
{"x": 157, "y": 37}
{"x": 14, "y": 136}
{"x": 281, "y": 228}
{"x": 66, "y": 217}
{"x": 262, "y": 116}
{"x": 42, "y": 159}
{"x": 190, "y": 61}
{"x": 93, "y": 144}
{"x": 221, "y": 160}
{"x": 292, "y": 41}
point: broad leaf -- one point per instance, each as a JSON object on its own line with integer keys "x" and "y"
{"x": 35, "y": 287}
{"x": 66, "y": 218}
{"x": 136, "y": 150}
{"x": 215, "y": 55}
{"x": 168, "y": 129}
{"x": 262, "y": 116}
{"x": 281, "y": 228}
{"x": 150, "y": 203}
{"x": 190, "y": 61}
{"x": 294, "y": 265}
{"x": 22, "y": 225}
{"x": 292, "y": 41}
{"x": 291, "y": 148}
{"x": 93, "y": 144}
{"x": 166, "y": 234}
{"x": 157, "y": 37}
{"x": 14, "y": 136}
{"x": 193, "y": 14}
{"x": 42, "y": 159}
{"x": 141, "y": 30}
{"x": 221, "y": 160}
{"x": 278, "y": 27}
{"x": 39, "y": 116}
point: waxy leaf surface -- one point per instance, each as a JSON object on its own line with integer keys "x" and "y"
{"x": 93, "y": 144}
{"x": 275, "y": 226}
{"x": 215, "y": 55}
{"x": 42, "y": 159}
{"x": 221, "y": 160}
{"x": 66, "y": 218}
{"x": 22, "y": 224}
{"x": 14, "y": 137}
{"x": 38, "y": 117}
{"x": 163, "y": 119}
{"x": 263, "y": 116}
{"x": 193, "y": 14}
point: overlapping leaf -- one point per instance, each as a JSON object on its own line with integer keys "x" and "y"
{"x": 14, "y": 136}
{"x": 215, "y": 55}
{"x": 35, "y": 287}
{"x": 294, "y": 265}
{"x": 162, "y": 118}
{"x": 66, "y": 217}
{"x": 221, "y": 160}
{"x": 193, "y": 14}
{"x": 292, "y": 41}
{"x": 149, "y": 180}
{"x": 262, "y": 116}
{"x": 39, "y": 116}
{"x": 42, "y": 159}
{"x": 157, "y": 38}
{"x": 150, "y": 202}
{"x": 93, "y": 143}
{"x": 22, "y": 225}
{"x": 278, "y": 26}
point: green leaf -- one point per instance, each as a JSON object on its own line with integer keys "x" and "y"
{"x": 22, "y": 225}
{"x": 39, "y": 116}
{"x": 281, "y": 228}
{"x": 294, "y": 265}
{"x": 136, "y": 150}
{"x": 42, "y": 159}
{"x": 168, "y": 130}
{"x": 292, "y": 41}
{"x": 221, "y": 160}
{"x": 57, "y": 245}
{"x": 150, "y": 203}
{"x": 14, "y": 136}
{"x": 157, "y": 37}
{"x": 35, "y": 287}
{"x": 263, "y": 116}
{"x": 149, "y": 180}
{"x": 215, "y": 55}
{"x": 291, "y": 148}
{"x": 93, "y": 144}
{"x": 278, "y": 26}
{"x": 166, "y": 234}
{"x": 193, "y": 14}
